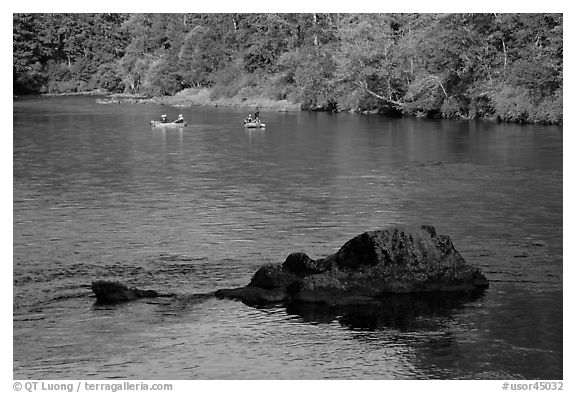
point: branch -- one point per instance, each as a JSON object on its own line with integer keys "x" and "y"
{"x": 435, "y": 80}
{"x": 364, "y": 86}
{"x": 505, "y": 53}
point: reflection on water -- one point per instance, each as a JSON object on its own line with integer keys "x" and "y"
{"x": 99, "y": 194}
{"x": 406, "y": 313}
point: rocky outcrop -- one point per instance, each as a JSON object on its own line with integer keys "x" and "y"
{"x": 371, "y": 265}
{"x": 115, "y": 292}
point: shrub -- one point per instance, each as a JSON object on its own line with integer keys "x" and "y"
{"x": 515, "y": 104}
{"x": 452, "y": 108}
{"x": 512, "y": 104}
{"x": 107, "y": 78}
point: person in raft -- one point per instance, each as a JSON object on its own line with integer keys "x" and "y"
{"x": 248, "y": 119}
{"x": 180, "y": 119}
{"x": 257, "y": 116}
{"x": 164, "y": 119}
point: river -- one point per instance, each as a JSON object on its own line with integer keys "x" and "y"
{"x": 99, "y": 194}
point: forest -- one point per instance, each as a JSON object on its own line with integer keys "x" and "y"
{"x": 461, "y": 66}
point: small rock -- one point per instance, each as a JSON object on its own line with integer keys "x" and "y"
{"x": 115, "y": 292}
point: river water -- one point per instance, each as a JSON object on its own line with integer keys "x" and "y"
{"x": 99, "y": 194}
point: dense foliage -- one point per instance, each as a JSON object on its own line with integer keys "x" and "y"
{"x": 437, "y": 65}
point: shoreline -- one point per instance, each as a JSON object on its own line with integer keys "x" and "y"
{"x": 186, "y": 98}
{"x": 201, "y": 97}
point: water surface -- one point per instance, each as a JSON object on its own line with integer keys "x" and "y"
{"x": 98, "y": 194}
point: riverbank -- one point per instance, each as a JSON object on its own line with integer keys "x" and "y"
{"x": 202, "y": 97}
{"x": 97, "y": 92}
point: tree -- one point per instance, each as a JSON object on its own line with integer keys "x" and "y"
{"x": 365, "y": 62}
{"x": 439, "y": 65}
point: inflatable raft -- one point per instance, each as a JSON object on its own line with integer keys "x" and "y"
{"x": 254, "y": 125}
{"x": 158, "y": 123}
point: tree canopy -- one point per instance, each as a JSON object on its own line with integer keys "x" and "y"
{"x": 437, "y": 65}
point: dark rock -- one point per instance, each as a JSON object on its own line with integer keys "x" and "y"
{"x": 302, "y": 265}
{"x": 272, "y": 276}
{"x": 396, "y": 247}
{"x": 115, "y": 292}
{"x": 430, "y": 229}
{"x": 370, "y": 265}
{"x": 254, "y": 296}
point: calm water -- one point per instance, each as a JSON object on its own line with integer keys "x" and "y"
{"x": 98, "y": 194}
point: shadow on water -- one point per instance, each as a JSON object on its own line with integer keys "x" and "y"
{"x": 405, "y": 313}
{"x": 422, "y": 312}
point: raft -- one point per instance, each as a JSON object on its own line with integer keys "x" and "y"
{"x": 107, "y": 101}
{"x": 254, "y": 125}
{"x": 158, "y": 123}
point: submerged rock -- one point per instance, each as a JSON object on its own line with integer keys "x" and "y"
{"x": 369, "y": 266}
{"x": 115, "y": 292}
